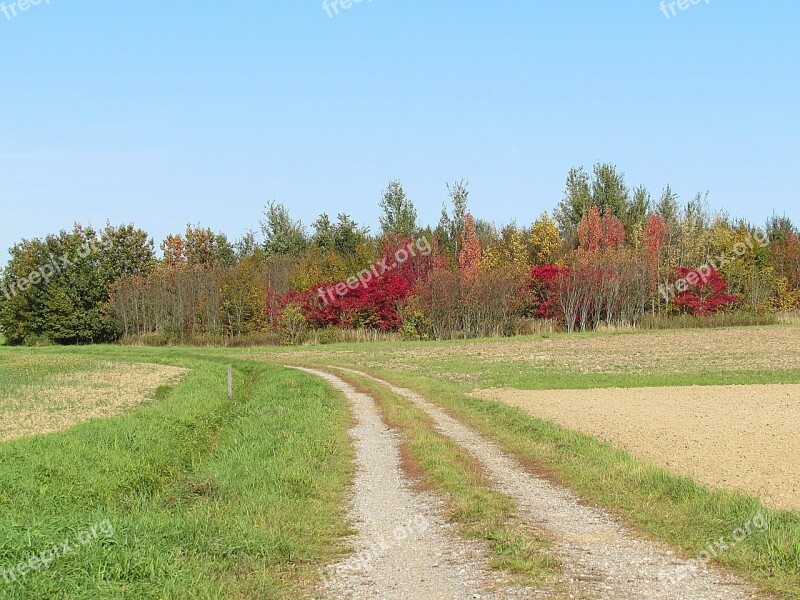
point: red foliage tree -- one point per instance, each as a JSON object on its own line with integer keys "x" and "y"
{"x": 470, "y": 258}
{"x": 613, "y": 232}
{"x": 704, "y": 294}
{"x": 655, "y": 231}
{"x": 370, "y": 299}
{"x": 590, "y": 231}
{"x": 374, "y": 306}
{"x": 596, "y": 232}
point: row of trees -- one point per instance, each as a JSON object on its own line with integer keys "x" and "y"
{"x": 608, "y": 257}
{"x": 56, "y": 289}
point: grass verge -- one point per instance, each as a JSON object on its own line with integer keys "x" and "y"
{"x": 189, "y": 496}
{"x": 663, "y": 506}
{"x": 479, "y": 511}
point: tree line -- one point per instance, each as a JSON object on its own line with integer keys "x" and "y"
{"x": 608, "y": 256}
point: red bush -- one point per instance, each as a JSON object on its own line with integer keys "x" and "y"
{"x": 372, "y": 306}
{"x": 705, "y": 293}
{"x": 370, "y": 299}
{"x": 543, "y": 291}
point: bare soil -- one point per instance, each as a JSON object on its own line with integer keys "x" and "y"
{"x": 740, "y": 437}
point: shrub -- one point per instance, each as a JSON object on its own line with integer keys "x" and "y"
{"x": 293, "y": 323}
{"x": 705, "y": 297}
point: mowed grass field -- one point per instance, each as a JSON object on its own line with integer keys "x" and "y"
{"x": 213, "y": 499}
{"x": 188, "y": 495}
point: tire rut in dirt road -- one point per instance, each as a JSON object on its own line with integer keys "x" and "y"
{"x": 404, "y": 549}
{"x": 601, "y": 557}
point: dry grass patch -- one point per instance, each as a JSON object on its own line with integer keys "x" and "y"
{"x": 70, "y": 398}
{"x": 756, "y": 348}
{"x": 663, "y": 353}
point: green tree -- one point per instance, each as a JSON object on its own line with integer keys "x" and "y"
{"x": 694, "y": 226}
{"x": 56, "y": 290}
{"x": 246, "y": 246}
{"x": 779, "y": 228}
{"x": 399, "y": 215}
{"x": 637, "y": 214}
{"x": 576, "y": 203}
{"x": 129, "y": 252}
{"x": 323, "y": 238}
{"x": 451, "y": 228}
{"x": 668, "y": 207}
{"x": 609, "y": 192}
{"x": 282, "y": 235}
{"x": 344, "y": 237}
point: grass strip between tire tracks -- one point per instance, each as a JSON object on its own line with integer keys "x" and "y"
{"x": 436, "y": 463}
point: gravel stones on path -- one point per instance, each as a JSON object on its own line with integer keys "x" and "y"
{"x": 601, "y": 557}
{"x": 403, "y": 547}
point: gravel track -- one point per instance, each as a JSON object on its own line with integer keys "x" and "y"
{"x": 602, "y": 558}
{"x": 404, "y": 548}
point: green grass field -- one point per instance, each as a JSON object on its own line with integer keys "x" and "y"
{"x": 206, "y": 498}
{"x": 213, "y": 499}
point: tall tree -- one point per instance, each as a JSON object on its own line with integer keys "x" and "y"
{"x": 56, "y": 289}
{"x": 322, "y": 238}
{"x": 174, "y": 249}
{"x": 453, "y": 226}
{"x": 349, "y": 237}
{"x": 545, "y": 241}
{"x": 246, "y": 246}
{"x": 469, "y": 259}
{"x": 655, "y": 234}
{"x": 637, "y": 214}
{"x": 282, "y": 235}
{"x": 129, "y": 252}
{"x": 576, "y": 203}
{"x": 609, "y": 192}
{"x": 399, "y": 216}
{"x": 695, "y": 221}
{"x": 779, "y": 228}
{"x": 345, "y": 238}
{"x": 669, "y": 210}
{"x": 204, "y": 248}
{"x": 668, "y": 207}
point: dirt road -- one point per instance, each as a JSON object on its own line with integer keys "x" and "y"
{"x": 601, "y": 557}
{"x": 404, "y": 549}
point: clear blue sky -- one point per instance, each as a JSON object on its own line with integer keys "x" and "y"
{"x": 162, "y": 113}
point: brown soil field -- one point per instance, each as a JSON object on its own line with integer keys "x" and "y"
{"x": 742, "y": 437}
{"x": 70, "y": 399}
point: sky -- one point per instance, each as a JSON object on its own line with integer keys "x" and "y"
{"x": 168, "y": 113}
